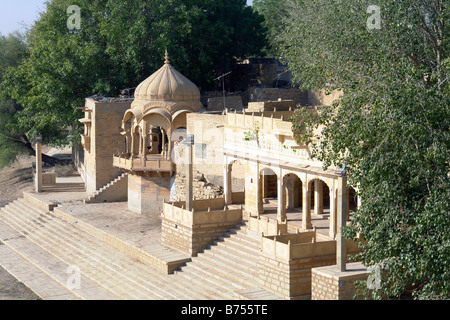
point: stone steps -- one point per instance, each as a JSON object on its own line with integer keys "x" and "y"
{"x": 238, "y": 262}
{"x": 54, "y": 245}
{"x": 46, "y": 244}
{"x": 230, "y": 264}
{"x": 45, "y": 267}
{"x": 45, "y": 286}
{"x": 100, "y": 250}
{"x": 57, "y": 241}
{"x": 64, "y": 187}
{"x": 92, "y": 198}
{"x": 203, "y": 285}
{"x": 234, "y": 256}
{"x": 212, "y": 287}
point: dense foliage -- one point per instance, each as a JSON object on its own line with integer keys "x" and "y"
{"x": 390, "y": 127}
{"x": 119, "y": 44}
{"x": 12, "y": 51}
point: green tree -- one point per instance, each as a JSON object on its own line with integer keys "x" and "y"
{"x": 12, "y": 51}
{"x": 118, "y": 45}
{"x": 390, "y": 127}
{"x": 273, "y": 12}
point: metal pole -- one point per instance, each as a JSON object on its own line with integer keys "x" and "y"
{"x": 223, "y": 86}
{"x": 223, "y": 90}
{"x": 189, "y": 142}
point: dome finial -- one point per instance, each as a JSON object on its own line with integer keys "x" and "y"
{"x": 166, "y": 57}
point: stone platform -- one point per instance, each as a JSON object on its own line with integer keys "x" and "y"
{"x": 136, "y": 235}
{"x": 46, "y": 237}
{"x": 328, "y": 283}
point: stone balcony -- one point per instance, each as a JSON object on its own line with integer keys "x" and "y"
{"x": 152, "y": 163}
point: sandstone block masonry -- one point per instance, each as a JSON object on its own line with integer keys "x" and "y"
{"x": 202, "y": 189}
{"x": 327, "y": 283}
{"x": 146, "y": 193}
{"x": 191, "y": 231}
{"x": 101, "y": 141}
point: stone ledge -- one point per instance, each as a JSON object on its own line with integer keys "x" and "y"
{"x": 328, "y": 283}
{"x": 353, "y": 270}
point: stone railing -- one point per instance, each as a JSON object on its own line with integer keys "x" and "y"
{"x": 266, "y": 226}
{"x": 265, "y": 146}
{"x": 202, "y": 205}
{"x": 155, "y": 163}
{"x": 188, "y": 218}
{"x": 259, "y": 122}
{"x": 190, "y": 231}
{"x": 301, "y": 245}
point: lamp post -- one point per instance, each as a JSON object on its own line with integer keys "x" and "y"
{"x": 38, "y": 177}
{"x": 189, "y": 142}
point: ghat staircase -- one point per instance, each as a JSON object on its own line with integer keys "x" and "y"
{"x": 113, "y": 190}
{"x": 41, "y": 249}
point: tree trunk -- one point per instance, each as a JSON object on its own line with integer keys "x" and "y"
{"x": 45, "y": 158}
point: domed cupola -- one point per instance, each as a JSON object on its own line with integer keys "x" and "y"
{"x": 167, "y": 84}
{"x": 160, "y": 107}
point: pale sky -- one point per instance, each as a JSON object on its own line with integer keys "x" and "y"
{"x": 21, "y": 14}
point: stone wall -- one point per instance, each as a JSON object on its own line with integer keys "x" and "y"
{"x": 328, "y": 283}
{"x": 208, "y": 158}
{"x": 114, "y": 191}
{"x": 274, "y": 94}
{"x": 264, "y": 106}
{"x": 266, "y": 226}
{"x": 105, "y": 141}
{"x": 216, "y": 103}
{"x": 286, "y": 262}
{"x": 146, "y": 194}
{"x": 290, "y": 278}
{"x": 202, "y": 189}
{"x": 206, "y": 95}
{"x": 191, "y": 231}
{"x": 208, "y": 145}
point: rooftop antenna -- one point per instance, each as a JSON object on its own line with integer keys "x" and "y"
{"x": 223, "y": 86}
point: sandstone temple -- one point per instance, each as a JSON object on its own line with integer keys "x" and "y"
{"x": 175, "y": 201}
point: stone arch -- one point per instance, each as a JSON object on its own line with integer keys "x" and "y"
{"x": 179, "y": 119}
{"x": 293, "y": 190}
{"x": 234, "y": 184}
{"x": 158, "y": 118}
{"x": 268, "y": 183}
{"x": 320, "y": 194}
{"x": 156, "y": 132}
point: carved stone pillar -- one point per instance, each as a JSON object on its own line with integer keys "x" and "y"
{"x": 333, "y": 210}
{"x": 281, "y": 206}
{"x": 318, "y": 197}
{"x": 306, "y": 207}
{"x": 227, "y": 184}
